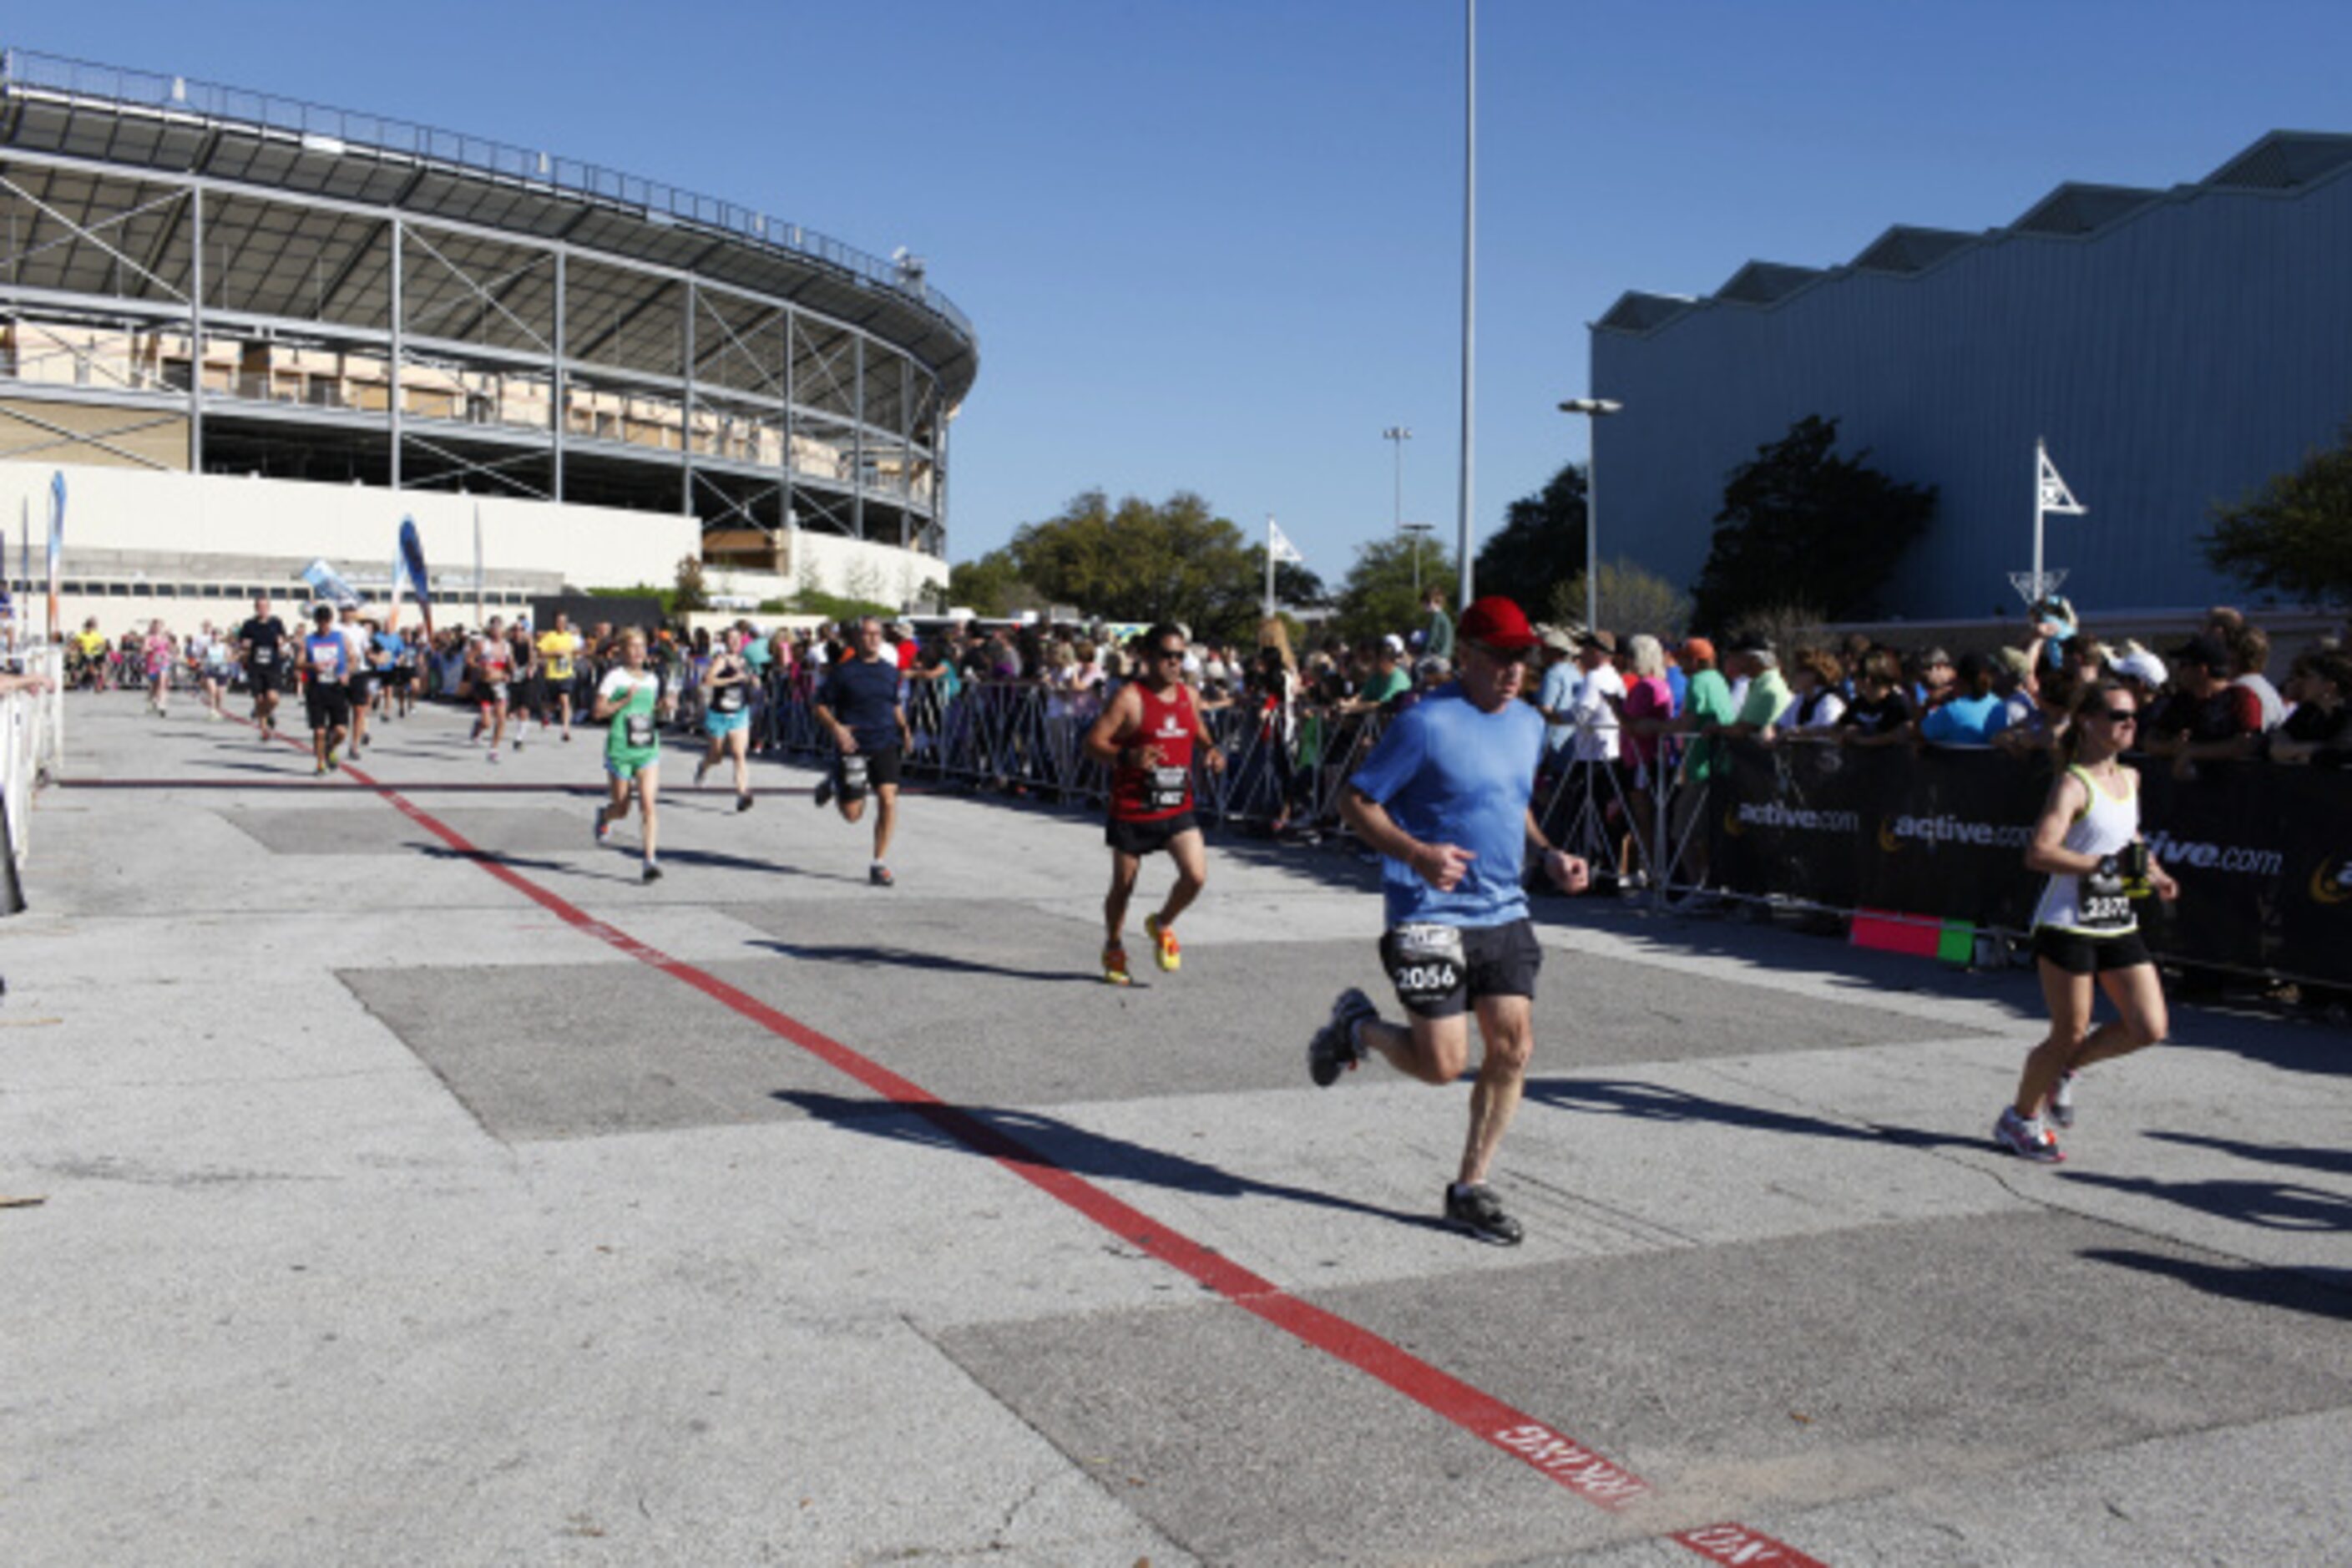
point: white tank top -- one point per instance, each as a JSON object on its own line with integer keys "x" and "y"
{"x": 2094, "y": 905}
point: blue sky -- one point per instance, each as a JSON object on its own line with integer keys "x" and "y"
{"x": 1217, "y": 246}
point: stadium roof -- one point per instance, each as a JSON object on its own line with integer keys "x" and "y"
{"x": 2282, "y": 161}
{"x": 92, "y": 131}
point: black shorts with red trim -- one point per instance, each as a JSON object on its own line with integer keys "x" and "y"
{"x": 1152, "y": 838}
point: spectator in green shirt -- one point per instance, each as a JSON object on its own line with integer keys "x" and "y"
{"x": 1388, "y": 680}
{"x": 1706, "y": 708}
{"x": 1437, "y": 640}
{"x": 1768, "y": 689}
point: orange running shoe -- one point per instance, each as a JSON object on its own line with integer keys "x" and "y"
{"x": 1113, "y": 964}
{"x": 1163, "y": 942}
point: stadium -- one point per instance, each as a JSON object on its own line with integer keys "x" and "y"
{"x": 2175, "y": 348}
{"x": 237, "y": 321}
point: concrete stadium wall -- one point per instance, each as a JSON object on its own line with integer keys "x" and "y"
{"x": 2174, "y": 359}
{"x": 212, "y": 527}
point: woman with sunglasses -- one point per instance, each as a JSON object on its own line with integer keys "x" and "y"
{"x": 2085, "y": 934}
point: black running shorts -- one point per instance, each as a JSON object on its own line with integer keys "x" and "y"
{"x": 1439, "y": 971}
{"x": 1141, "y": 839}
{"x": 327, "y": 703}
{"x": 881, "y": 768}
{"x": 2079, "y": 955}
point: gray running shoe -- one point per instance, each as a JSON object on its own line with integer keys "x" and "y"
{"x": 1333, "y": 1050}
{"x": 2026, "y": 1140}
{"x": 1477, "y": 1211}
{"x": 2061, "y": 1102}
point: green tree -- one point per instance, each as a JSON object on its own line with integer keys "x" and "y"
{"x": 690, "y": 593}
{"x": 1541, "y": 544}
{"x": 2293, "y": 535}
{"x": 1137, "y": 561}
{"x": 990, "y": 586}
{"x": 1799, "y": 518}
{"x": 1377, "y": 596}
{"x": 1632, "y": 600}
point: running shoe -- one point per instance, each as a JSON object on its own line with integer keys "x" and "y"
{"x": 2028, "y": 1140}
{"x": 494, "y": 756}
{"x": 477, "y": 734}
{"x": 319, "y": 769}
{"x": 880, "y": 876}
{"x": 1163, "y": 943}
{"x": 823, "y": 795}
{"x": 701, "y": 772}
{"x": 567, "y": 737}
{"x": 603, "y": 825}
{"x": 332, "y": 764}
{"x": 2061, "y": 1102}
{"x": 1477, "y": 1211}
{"x": 653, "y": 872}
{"x": 517, "y": 742}
{"x": 743, "y": 801}
{"x": 1333, "y": 1050}
{"x": 1113, "y": 964}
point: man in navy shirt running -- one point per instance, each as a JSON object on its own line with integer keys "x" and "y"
{"x": 859, "y": 704}
{"x": 1443, "y": 798}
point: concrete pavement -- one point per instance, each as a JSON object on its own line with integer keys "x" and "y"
{"x": 394, "y": 1215}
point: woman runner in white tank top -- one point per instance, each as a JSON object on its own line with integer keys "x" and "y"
{"x": 2085, "y": 934}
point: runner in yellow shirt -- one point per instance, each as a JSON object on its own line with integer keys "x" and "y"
{"x": 556, "y": 649}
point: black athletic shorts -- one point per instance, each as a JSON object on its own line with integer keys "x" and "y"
{"x": 1438, "y": 970}
{"x": 328, "y": 704}
{"x": 2078, "y": 954}
{"x": 1141, "y": 839}
{"x": 363, "y": 687}
{"x": 851, "y": 782}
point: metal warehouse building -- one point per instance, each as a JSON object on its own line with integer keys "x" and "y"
{"x": 2175, "y": 348}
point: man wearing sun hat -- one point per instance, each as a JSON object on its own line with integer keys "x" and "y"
{"x": 1443, "y": 799}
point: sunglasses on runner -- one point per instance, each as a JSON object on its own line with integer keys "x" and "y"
{"x": 2120, "y": 715}
{"x": 1168, "y": 653}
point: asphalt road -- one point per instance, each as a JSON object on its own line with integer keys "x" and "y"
{"x": 417, "y": 1186}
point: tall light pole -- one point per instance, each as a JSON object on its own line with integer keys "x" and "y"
{"x": 1594, "y": 410}
{"x": 1469, "y": 283}
{"x": 1420, "y": 531}
{"x": 1397, "y": 436}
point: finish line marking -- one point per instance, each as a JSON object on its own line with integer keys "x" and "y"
{"x": 1590, "y": 1475}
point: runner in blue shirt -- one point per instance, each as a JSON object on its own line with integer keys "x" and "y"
{"x": 1444, "y": 800}
{"x": 859, "y": 706}
{"x": 326, "y": 691}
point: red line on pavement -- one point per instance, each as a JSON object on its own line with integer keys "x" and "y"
{"x": 1589, "y": 1474}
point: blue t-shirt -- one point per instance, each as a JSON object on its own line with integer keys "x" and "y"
{"x": 864, "y": 697}
{"x": 1677, "y": 685}
{"x": 329, "y": 654}
{"x": 391, "y": 645}
{"x": 1966, "y": 721}
{"x": 1448, "y": 772}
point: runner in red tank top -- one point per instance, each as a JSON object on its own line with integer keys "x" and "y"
{"x": 1147, "y": 736}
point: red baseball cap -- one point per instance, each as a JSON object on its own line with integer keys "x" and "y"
{"x": 1497, "y": 622}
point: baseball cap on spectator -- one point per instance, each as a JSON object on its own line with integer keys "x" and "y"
{"x": 1600, "y": 639}
{"x": 2141, "y": 665}
{"x": 1496, "y": 622}
{"x": 1432, "y": 666}
{"x": 1393, "y": 644}
{"x": 1934, "y": 656}
{"x": 2208, "y": 651}
{"x": 2014, "y": 661}
{"x": 1699, "y": 651}
{"x": 1557, "y": 639}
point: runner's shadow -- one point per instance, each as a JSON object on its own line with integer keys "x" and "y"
{"x": 715, "y": 861}
{"x": 1655, "y": 1102}
{"x": 2328, "y": 1162}
{"x": 2273, "y": 1205}
{"x": 493, "y": 857}
{"x": 907, "y": 958}
{"x": 2323, "y": 1292}
{"x": 1025, "y": 1138}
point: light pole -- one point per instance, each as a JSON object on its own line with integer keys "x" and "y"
{"x": 1420, "y": 531}
{"x": 1397, "y": 436}
{"x": 1595, "y": 409}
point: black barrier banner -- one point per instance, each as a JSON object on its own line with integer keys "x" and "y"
{"x": 2263, "y": 853}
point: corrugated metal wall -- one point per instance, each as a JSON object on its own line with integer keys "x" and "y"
{"x": 2176, "y": 358}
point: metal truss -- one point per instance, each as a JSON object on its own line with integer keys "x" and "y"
{"x": 61, "y": 435}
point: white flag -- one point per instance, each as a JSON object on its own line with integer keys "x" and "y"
{"x": 1279, "y": 547}
{"x": 2055, "y": 496}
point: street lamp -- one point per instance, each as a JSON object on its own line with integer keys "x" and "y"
{"x": 1420, "y": 531}
{"x": 1397, "y": 436}
{"x": 1595, "y": 409}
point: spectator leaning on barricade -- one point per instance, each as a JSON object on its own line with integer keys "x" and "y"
{"x": 1555, "y": 695}
{"x": 1766, "y": 696}
{"x": 2206, "y": 718}
{"x": 1817, "y": 701}
{"x": 1973, "y": 715}
{"x": 2319, "y": 730}
{"x": 2250, "y": 658}
{"x": 1880, "y": 714}
{"x": 1934, "y": 685}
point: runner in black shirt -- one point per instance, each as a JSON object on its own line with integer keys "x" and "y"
{"x": 262, "y": 643}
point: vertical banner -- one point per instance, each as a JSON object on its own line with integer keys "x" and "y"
{"x": 56, "y": 543}
{"x": 411, "y": 549}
